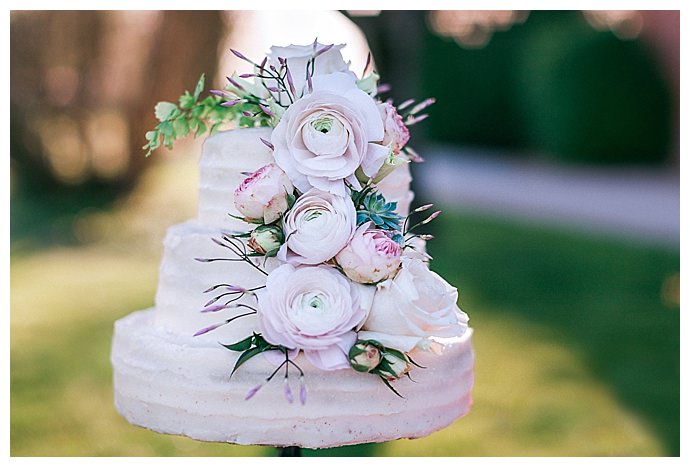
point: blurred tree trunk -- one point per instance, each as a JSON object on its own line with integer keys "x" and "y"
{"x": 84, "y": 84}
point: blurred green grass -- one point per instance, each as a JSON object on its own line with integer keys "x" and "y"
{"x": 577, "y": 339}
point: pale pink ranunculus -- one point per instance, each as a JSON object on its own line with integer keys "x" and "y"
{"x": 324, "y": 137}
{"x": 371, "y": 256}
{"x": 263, "y": 196}
{"x": 395, "y": 133}
{"x": 315, "y": 309}
{"x": 317, "y": 227}
{"x": 415, "y": 305}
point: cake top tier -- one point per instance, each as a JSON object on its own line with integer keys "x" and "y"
{"x": 226, "y": 158}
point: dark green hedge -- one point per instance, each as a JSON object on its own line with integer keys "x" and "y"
{"x": 552, "y": 85}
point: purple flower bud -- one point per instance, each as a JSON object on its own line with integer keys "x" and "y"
{"x": 302, "y": 391}
{"x": 422, "y": 105}
{"x": 247, "y": 113}
{"x": 423, "y": 208}
{"x": 263, "y": 63}
{"x": 383, "y": 88}
{"x": 266, "y": 110}
{"x": 412, "y": 120}
{"x": 235, "y": 83}
{"x": 414, "y": 156}
{"x": 290, "y": 83}
{"x": 323, "y": 50}
{"x": 431, "y": 217}
{"x": 267, "y": 143}
{"x": 208, "y": 329}
{"x": 230, "y": 103}
{"x": 282, "y": 61}
{"x": 216, "y": 92}
{"x": 309, "y": 83}
{"x": 406, "y": 104}
{"x": 246, "y": 75}
{"x": 272, "y": 88}
{"x": 212, "y": 309}
{"x": 273, "y": 68}
{"x": 252, "y": 392}
{"x": 240, "y": 56}
{"x": 288, "y": 392}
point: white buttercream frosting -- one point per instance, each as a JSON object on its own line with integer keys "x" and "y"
{"x": 169, "y": 381}
{"x": 176, "y": 384}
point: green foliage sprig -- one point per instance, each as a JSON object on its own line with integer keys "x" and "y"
{"x": 195, "y": 115}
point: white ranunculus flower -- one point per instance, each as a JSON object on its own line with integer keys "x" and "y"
{"x": 263, "y": 196}
{"x": 371, "y": 256}
{"x": 415, "y": 305}
{"x": 298, "y": 56}
{"x": 317, "y": 227}
{"x": 324, "y": 137}
{"x": 315, "y": 309}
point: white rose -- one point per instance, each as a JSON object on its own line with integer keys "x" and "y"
{"x": 324, "y": 137}
{"x": 395, "y": 187}
{"x": 415, "y": 305}
{"x": 371, "y": 255}
{"x": 317, "y": 227}
{"x": 315, "y": 309}
{"x": 396, "y": 134}
{"x": 263, "y": 196}
{"x": 298, "y": 56}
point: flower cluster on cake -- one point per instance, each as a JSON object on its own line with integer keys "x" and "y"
{"x": 318, "y": 272}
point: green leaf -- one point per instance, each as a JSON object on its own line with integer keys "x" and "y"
{"x": 163, "y": 110}
{"x": 194, "y": 123}
{"x": 215, "y": 126}
{"x": 199, "y": 86}
{"x": 186, "y": 101}
{"x": 385, "y": 381}
{"x": 181, "y": 127}
{"x": 240, "y": 346}
{"x": 253, "y": 352}
{"x": 200, "y": 130}
{"x": 168, "y": 141}
{"x": 166, "y": 128}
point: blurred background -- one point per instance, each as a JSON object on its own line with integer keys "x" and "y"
{"x": 553, "y": 150}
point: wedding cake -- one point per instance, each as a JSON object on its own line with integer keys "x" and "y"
{"x": 298, "y": 307}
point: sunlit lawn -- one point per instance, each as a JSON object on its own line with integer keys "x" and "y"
{"x": 577, "y": 340}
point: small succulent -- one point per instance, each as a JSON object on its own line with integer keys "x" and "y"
{"x": 374, "y": 208}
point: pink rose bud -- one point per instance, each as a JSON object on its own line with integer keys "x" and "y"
{"x": 263, "y": 196}
{"x": 364, "y": 357}
{"x": 396, "y": 133}
{"x": 266, "y": 240}
{"x": 371, "y": 256}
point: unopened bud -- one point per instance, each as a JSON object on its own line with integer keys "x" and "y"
{"x": 364, "y": 357}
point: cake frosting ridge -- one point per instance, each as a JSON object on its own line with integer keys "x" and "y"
{"x": 304, "y": 264}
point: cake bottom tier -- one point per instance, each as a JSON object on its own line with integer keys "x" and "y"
{"x": 174, "y": 384}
